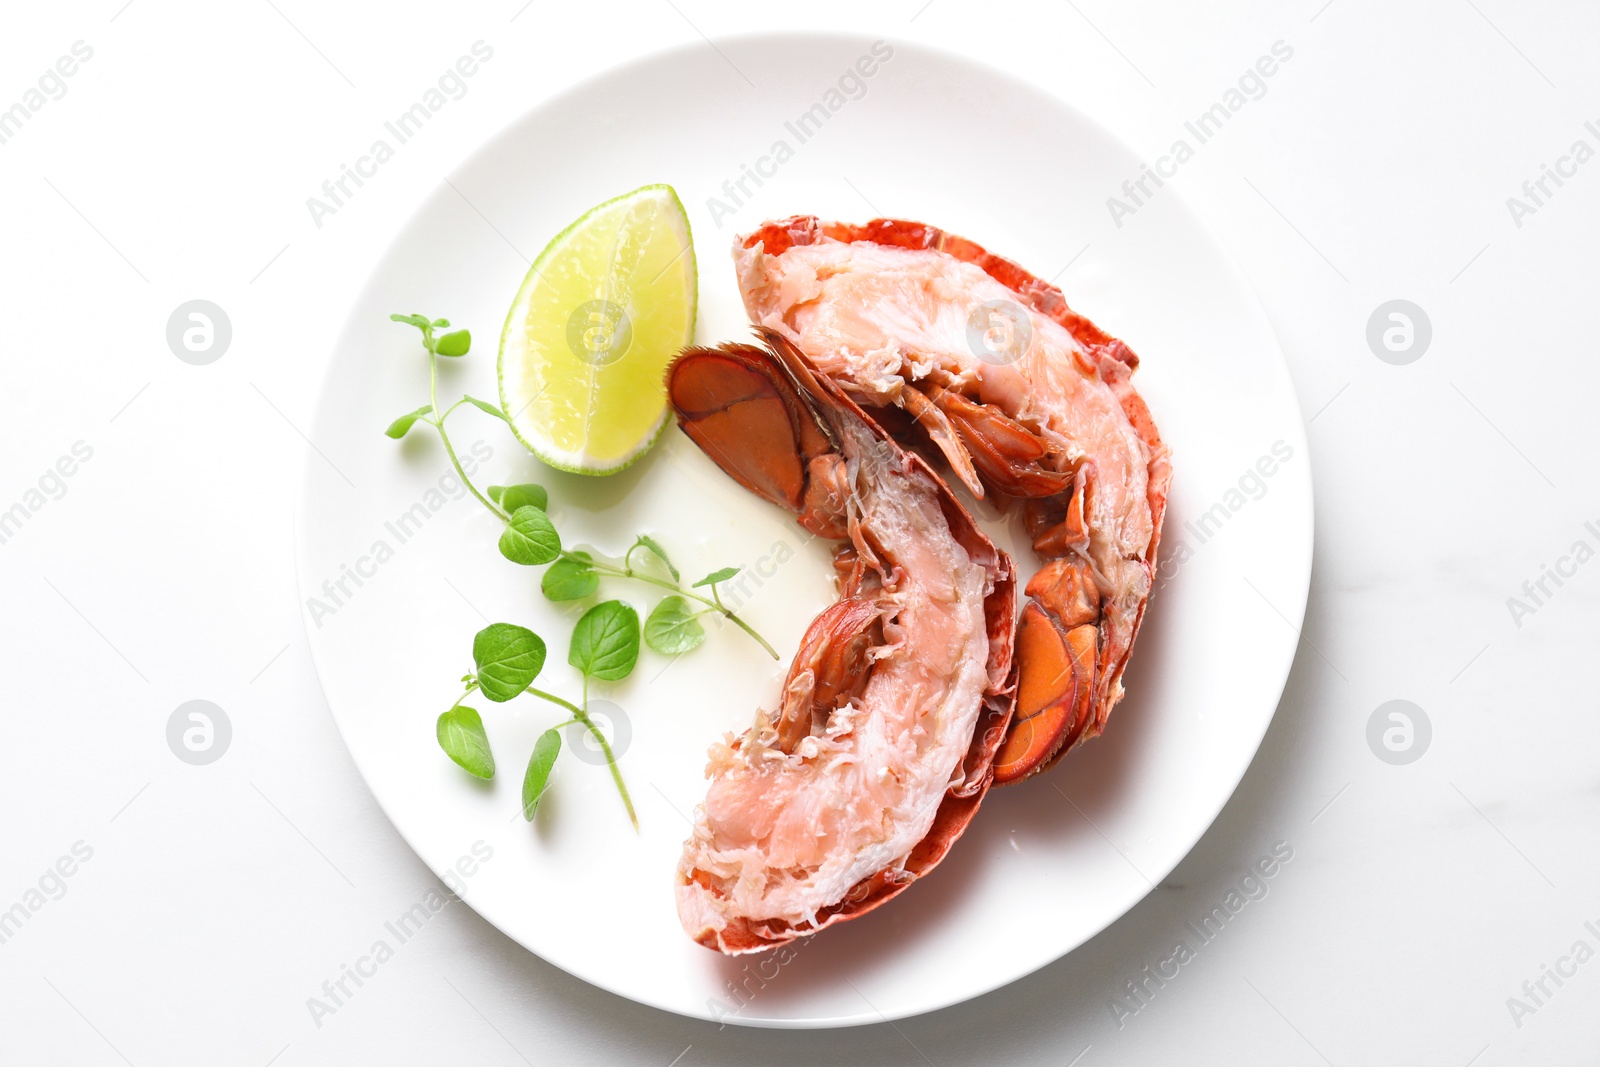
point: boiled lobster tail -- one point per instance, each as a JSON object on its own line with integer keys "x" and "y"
{"x": 889, "y": 309}
{"x": 884, "y": 739}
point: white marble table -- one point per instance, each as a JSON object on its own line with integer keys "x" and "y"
{"x": 1431, "y": 911}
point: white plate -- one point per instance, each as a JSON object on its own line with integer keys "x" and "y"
{"x": 934, "y": 138}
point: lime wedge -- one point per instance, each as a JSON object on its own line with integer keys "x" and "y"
{"x": 584, "y": 352}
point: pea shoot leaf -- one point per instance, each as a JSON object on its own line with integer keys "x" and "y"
{"x": 572, "y": 578}
{"x": 463, "y": 739}
{"x": 605, "y": 642}
{"x": 672, "y": 628}
{"x": 545, "y": 751}
{"x": 401, "y": 426}
{"x": 530, "y": 538}
{"x": 716, "y": 576}
{"x": 508, "y": 657}
{"x": 455, "y": 343}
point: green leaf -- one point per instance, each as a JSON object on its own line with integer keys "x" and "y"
{"x": 441, "y": 324}
{"x": 484, "y": 405}
{"x": 672, "y": 628}
{"x": 530, "y": 538}
{"x": 572, "y": 578}
{"x": 512, "y": 497}
{"x": 454, "y": 343}
{"x": 463, "y": 739}
{"x": 419, "y": 321}
{"x": 716, "y": 576}
{"x": 653, "y": 546}
{"x": 509, "y": 658}
{"x": 605, "y": 642}
{"x": 545, "y": 751}
{"x": 399, "y": 427}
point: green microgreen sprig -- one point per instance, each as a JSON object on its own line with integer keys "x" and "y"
{"x": 531, "y": 539}
{"x": 606, "y": 639}
{"x": 507, "y": 660}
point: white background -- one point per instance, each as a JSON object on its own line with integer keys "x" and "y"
{"x": 1377, "y": 166}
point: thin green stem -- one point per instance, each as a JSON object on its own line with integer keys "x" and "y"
{"x": 438, "y": 424}
{"x": 747, "y": 628}
{"x": 490, "y": 504}
{"x": 577, "y": 712}
{"x": 628, "y": 572}
{"x": 582, "y": 715}
{"x": 611, "y": 757}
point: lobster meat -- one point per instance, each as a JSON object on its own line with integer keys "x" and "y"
{"x": 882, "y": 744}
{"x": 965, "y": 355}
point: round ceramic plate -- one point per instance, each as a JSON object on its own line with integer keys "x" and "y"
{"x": 398, "y": 568}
